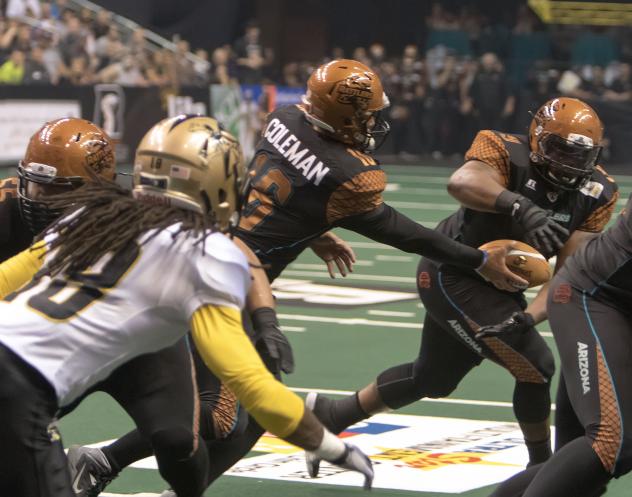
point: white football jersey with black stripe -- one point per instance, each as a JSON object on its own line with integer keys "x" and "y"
{"x": 77, "y": 330}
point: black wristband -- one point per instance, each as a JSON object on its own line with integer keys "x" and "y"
{"x": 263, "y": 317}
{"x": 506, "y": 201}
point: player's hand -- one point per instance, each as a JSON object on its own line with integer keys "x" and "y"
{"x": 352, "y": 458}
{"x": 495, "y": 270}
{"x": 517, "y": 324}
{"x": 335, "y": 252}
{"x": 271, "y": 343}
{"x": 542, "y": 232}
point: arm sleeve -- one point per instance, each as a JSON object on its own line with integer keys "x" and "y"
{"x": 388, "y": 226}
{"x": 21, "y": 268}
{"x": 490, "y": 149}
{"x": 230, "y": 355}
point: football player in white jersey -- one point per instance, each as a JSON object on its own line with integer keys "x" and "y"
{"x": 124, "y": 275}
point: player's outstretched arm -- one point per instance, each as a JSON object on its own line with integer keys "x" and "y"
{"x": 20, "y": 269}
{"x": 386, "y": 225}
{"x": 228, "y": 353}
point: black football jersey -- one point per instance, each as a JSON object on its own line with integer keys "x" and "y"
{"x": 603, "y": 266}
{"x": 14, "y": 234}
{"x": 588, "y": 209}
{"x": 303, "y": 183}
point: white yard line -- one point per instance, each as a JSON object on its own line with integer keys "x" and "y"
{"x": 398, "y": 314}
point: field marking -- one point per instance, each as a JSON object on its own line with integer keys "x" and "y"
{"x": 465, "y": 402}
{"x": 352, "y": 276}
{"x": 293, "y": 329}
{"x": 399, "y": 314}
{"x": 394, "y": 258}
{"x": 350, "y": 321}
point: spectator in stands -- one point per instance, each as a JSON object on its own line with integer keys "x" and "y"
{"x": 137, "y": 43}
{"x": 292, "y": 76}
{"x": 620, "y": 89}
{"x": 360, "y": 54}
{"x": 23, "y": 8}
{"x": 126, "y": 72}
{"x": 201, "y": 67}
{"x": 221, "y": 71}
{"x": 78, "y": 72}
{"x": 593, "y": 84}
{"x": 185, "y": 72}
{"x": 491, "y": 95}
{"x": 102, "y": 23}
{"x": 156, "y": 69}
{"x": 16, "y": 37}
{"x": 377, "y": 55}
{"x": 35, "y": 72}
{"x": 109, "y": 48}
{"x": 73, "y": 43}
{"x": 52, "y": 60}
{"x": 12, "y": 71}
{"x": 252, "y": 57}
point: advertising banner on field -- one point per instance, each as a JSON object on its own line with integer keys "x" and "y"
{"x": 19, "y": 119}
{"x": 416, "y": 453}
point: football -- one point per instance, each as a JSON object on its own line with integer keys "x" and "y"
{"x": 525, "y": 261}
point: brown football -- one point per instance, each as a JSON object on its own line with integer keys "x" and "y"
{"x": 525, "y": 261}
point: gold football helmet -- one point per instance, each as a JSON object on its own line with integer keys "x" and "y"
{"x": 192, "y": 163}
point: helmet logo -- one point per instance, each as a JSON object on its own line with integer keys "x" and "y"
{"x": 355, "y": 89}
{"x": 101, "y": 157}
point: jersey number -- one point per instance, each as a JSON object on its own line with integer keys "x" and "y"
{"x": 63, "y": 299}
{"x": 272, "y": 188}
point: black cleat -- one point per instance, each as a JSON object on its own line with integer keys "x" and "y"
{"x": 90, "y": 471}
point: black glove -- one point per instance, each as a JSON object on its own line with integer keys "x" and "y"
{"x": 517, "y": 324}
{"x": 271, "y": 343}
{"x": 353, "y": 459}
{"x": 542, "y": 231}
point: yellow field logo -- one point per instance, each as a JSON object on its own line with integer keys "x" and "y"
{"x": 433, "y": 460}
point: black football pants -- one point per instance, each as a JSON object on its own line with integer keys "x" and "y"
{"x": 595, "y": 344}
{"x": 32, "y": 459}
{"x": 457, "y": 304}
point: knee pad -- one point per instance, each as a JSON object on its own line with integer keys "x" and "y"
{"x": 174, "y": 443}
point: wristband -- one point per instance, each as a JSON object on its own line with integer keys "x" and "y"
{"x": 331, "y": 448}
{"x": 506, "y": 202}
{"x": 485, "y": 257}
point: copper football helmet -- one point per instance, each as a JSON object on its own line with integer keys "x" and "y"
{"x": 344, "y": 100}
{"x": 565, "y": 138}
{"x": 61, "y": 155}
{"x": 192, "y": 163}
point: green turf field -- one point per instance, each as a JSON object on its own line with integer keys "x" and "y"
{"x": 341, "y": 345}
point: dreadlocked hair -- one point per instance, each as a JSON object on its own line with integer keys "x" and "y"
{"x": 101, "y": 217}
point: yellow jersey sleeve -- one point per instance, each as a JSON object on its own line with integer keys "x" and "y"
{"x": 20, "y": 269}
{"x": 229, "y": 354}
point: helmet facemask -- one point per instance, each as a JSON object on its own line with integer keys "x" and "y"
{"x": 567, "y": 164}
{"x": 34, "y": 209}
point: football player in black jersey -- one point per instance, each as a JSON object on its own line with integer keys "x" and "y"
{"x": 589, "y": 311}
{"x": 545, "y": 189}
{"x": 57, "y": 159}
{"x": 311, "y": 172}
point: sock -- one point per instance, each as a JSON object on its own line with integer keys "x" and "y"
{"x": 539, "y": 452}
{"x": 346, "y": 412}
{"x": 126, "y": 450}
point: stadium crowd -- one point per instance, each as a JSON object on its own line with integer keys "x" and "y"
{"x": 465, "y": 65}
